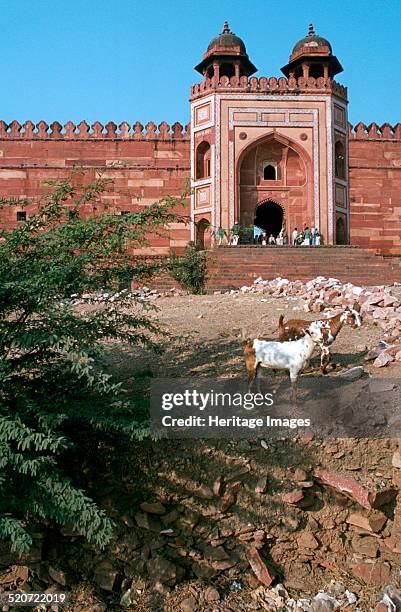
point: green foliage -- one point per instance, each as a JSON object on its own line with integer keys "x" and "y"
{"x": 53, "y": 386}
{"x": 190, "y": 269}
{"x": 247, "y": 230}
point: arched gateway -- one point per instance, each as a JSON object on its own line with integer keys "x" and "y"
{"x": 269, "y": 216}
{"x": 275, "y": 144}
{"x": 275, "y": 175}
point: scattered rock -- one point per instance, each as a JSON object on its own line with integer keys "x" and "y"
{"x": 259, "y": 567}
{"x": 306, "y": 539}
{"x": 293, "y": 497}
{"x": 353, "y": 373}
{"x": 382, "y": 360}
{"x": 374, "y": 573}
{"x": 217, "y": 486}
{"x": 105, "y": 576}
{"x": 153, "y": 508}
{"x": 189, "y": 605}
{"x": 57, "y": 575}
{"x": 211, "y": 594}
{"x": 396, "y": 460}
{"x": 300, "y": 475}
{"x": 261, "y": 485}
{"x": 372, "y": 522}
{"x": 229, "y": 499}
{"x": 15, "y": 574}
{"x": 161, "y": 570}
{"x": 204, "y": 492}
{"x": 372, "y": 498}
{"x": 366, "y": 546}
{"x": 372, "y": 354}
{"x": 203, "y": 570}
{"x": 146, "y": 521}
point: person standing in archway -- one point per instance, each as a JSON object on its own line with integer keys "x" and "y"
{"x": 235, "y": 230}
{"x": 219, "y": 234}
{"x": 257, "y": 232}
{"x": 307, "y": 236}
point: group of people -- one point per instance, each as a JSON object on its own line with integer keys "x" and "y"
{"x": 221, "y": 233}
{"x": 307, "y": 237}
{"x": 261, "y": 237}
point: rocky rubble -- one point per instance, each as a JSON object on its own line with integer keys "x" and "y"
{"x": 341, "y": 524}
{"x": 327, "y": 520}
{"x": 107, "y": 297}
{"x": 377, "y": 306}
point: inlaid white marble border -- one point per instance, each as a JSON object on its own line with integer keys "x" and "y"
{"x": 217, "y": 174}
{"x": 330, "y": 182}
{"x": 231, "y": 183}
{"x": 203, "y": 209}
{"x": 344, "y": 131}
{"x": 194, "y": 129}
{"x": 327, "y": 99}
{"x": 192, "y": 164}
{"x": 203, "y": 126}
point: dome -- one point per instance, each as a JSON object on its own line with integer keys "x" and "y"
{"x": 227, "y": 39}
{"x": 311, "y": 40}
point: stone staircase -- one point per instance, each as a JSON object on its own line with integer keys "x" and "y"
{"x": 232, "y": 267}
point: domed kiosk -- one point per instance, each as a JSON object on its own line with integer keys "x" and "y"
{"x": 226, "y": 56}
{"x": 312, "y": 56}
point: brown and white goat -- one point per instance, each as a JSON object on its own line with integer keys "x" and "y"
{"x": 296, "y": 328}
{"x": 292, "y": 356}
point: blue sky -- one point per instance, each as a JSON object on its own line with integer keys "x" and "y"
{"x": 133, "y": 60}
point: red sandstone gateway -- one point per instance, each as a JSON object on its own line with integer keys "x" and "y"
{"x": 271, "y": 151}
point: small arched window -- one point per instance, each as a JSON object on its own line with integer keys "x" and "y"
{"x": 203, "y": 160}
{"x": 339, "y": 160}
{"x": 269, "y": 173}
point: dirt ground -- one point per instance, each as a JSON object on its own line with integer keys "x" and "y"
{"x": 305, "y": 545}
{"x": 205, "y": 342}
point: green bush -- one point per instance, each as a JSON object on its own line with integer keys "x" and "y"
{"x": 190, "y": 269}
{"x": 54, "y": 391}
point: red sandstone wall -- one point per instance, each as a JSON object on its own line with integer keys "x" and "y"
{"x": 155, "y": 163}
{"x": 145, "y": 166}
{"x": 375, "y": 187}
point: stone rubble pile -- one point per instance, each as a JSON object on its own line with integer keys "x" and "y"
{"x": 193, "y": 541}
{"x": 141, "y": 293}
{"x": 377, "y": 306}
{"x": 356, "y": 532}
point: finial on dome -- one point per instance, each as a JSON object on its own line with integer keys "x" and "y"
{"x": 311, "y": 30}
{"x": 226, "y": 28}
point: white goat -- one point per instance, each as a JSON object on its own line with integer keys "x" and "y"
{"x": 292, "y": 355}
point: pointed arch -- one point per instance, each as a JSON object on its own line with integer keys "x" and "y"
{"x": 294, "y": 177}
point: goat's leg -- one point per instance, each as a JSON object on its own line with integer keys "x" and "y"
{"x": 294, "y": 387}
{"x": 294, "y": 398}
{"x": 324, "y": 359}
{"x": 258, "y": 371}
{"x": 251, "y": 378}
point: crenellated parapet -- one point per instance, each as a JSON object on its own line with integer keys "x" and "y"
{"x": 96, "y": 131}
{"x": 373, "y": 131}
{"x": 270, "y": 85}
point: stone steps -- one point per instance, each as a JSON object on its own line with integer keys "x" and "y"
{"x": 232, "y": 267}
